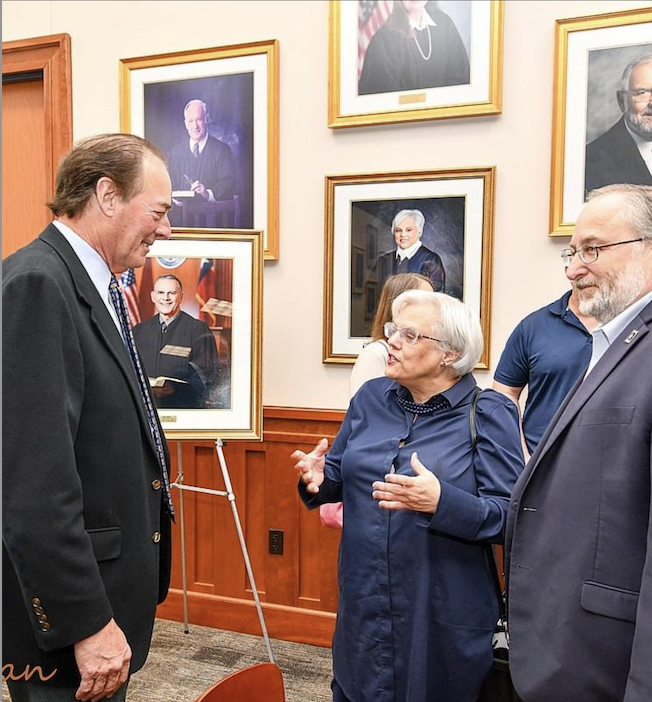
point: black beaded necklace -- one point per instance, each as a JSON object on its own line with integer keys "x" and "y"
{"x": 434, "y": 404}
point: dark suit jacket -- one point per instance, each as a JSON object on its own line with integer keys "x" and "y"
{"x": 81, "y": 508}
{"x": 614, "y": 158}
{"x": 579, "y": 537}
{"x": 424, "y": 261}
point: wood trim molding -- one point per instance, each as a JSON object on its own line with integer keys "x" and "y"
{"x": 50, "y": 54}
{"x": 232, "y": 614}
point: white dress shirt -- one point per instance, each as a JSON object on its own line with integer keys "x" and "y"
{"x": 644, "y": 147}
{"x": 96, "y": 267}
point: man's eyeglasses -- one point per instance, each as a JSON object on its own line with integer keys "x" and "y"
{"x": 642, "y": 95}
{"x": 588, "y": 253}
{"x": 410, "y": 334}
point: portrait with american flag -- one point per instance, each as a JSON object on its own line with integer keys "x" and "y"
{"x": 195, "y": 306}
{"x": 413, "y": 60}
{"x": 371, "y": 15}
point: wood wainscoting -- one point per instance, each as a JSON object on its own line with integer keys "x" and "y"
{"x": 298, "y": 589}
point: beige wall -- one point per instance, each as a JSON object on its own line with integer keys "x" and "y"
{"x": 527, "y": 271}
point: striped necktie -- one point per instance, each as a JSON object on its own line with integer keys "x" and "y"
{"x": 120, "y": 306}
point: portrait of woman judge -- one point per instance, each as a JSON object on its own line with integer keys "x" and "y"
{"x": 619, "y": 116}
{"x": 205, "y": 128}
{"x": 424, "y": 236}
{"x": 417, "y": 44}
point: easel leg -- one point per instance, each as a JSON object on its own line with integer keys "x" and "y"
{"x": 243, "y": 545}
{"x": 186, "y": 628}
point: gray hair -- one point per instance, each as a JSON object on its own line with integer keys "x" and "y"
{"x": 416, "y": 215}
{"x": 639, "y": 198}
{"x": 120, "y": 157}
{"x": 453, "y": 322}
{"x": 198, "y": 102}
{"x": 624, "y": 81}
{"x": 168, "y": 276}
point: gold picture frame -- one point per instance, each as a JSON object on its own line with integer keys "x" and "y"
{"x": 590, "y": 55}
{"x": 352, "y": 26}
{"x": 239, "y": 86}
{"x": 458, "y": 206}
{"x": 221, "y": 277}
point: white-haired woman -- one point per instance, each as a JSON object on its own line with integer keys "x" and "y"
{"x": 410, "y": 255}
{"x": 417, "y": 605}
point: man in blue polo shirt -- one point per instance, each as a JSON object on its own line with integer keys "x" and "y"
{"x": 547, "y": 351}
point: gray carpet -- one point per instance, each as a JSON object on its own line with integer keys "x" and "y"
{"x": 181, "y": 666}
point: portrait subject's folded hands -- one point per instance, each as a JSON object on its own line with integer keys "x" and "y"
{"x": 420, "y": 493}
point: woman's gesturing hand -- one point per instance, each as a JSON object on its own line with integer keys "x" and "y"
{"x": 420, "y": 493}
{"x": 311, "y": 465}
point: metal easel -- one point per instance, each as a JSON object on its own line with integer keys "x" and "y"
{"x": 228, "y": 493}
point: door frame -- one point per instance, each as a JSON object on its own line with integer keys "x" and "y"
{"x": 50, "y": 55}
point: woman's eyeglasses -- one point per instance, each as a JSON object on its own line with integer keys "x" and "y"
{"x": 410, "y": 334}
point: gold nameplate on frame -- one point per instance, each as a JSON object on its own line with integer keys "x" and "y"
{"x": 410, "y": 99}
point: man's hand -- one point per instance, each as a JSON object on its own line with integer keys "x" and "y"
{"x": 311, "y": 466}
{"x": 420, "y": 493}
{"x": 200, "y": 189}
{"x": 103, "y": 661}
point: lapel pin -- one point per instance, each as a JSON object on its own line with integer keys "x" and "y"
{"x": 631, "y": 337}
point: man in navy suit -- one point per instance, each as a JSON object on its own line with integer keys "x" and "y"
{"x": 86, "y": 519}
{"x": 623, "y": 154}
{"x": 579, "y": 531}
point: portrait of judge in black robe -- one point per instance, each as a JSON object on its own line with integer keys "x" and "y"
{"x": 201, "y": 164}
{"x": 178, "y": 352}
{"x": 418, "y": 47}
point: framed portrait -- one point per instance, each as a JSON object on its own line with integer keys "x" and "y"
{"x": 357, "y": 271}
{"x": 390, "y": 62}
{"x": 455, "y": 209}
{"x": 371, "y": 240}
{"x": 195, "y": 308}
{"x": 370, "y": 299}
{"x": 597, "y": 117}
{"x": 214, "y": 114}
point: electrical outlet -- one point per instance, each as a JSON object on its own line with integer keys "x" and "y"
{"x": 276, "y": 541}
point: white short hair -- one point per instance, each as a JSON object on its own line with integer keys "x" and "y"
{"x": 416, "y": 215}
{"x": 454, "y": 323}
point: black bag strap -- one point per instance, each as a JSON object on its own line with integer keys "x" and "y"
{"x": 491, "y": 551}
{"x": 472, "y": 424}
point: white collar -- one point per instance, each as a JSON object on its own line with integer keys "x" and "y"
{"x": 402, "y": 254}
{"x": 201, "y": 143}
{"x": 426, "y": 20}
{"x": 96, "y": 267}
{"x": 613, "y": 328}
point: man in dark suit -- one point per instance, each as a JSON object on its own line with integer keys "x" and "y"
{"x": 579, "y": 532}
{"x": 86, "y": 509}
{"x": 410, "y": 255}
{"x": 201, "y": 163}
{"x": 623, "y": 154}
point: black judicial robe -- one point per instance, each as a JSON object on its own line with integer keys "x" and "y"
{"x": 193, "y": 373}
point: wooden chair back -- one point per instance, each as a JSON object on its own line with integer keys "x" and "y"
{"x": 257, "y": 683}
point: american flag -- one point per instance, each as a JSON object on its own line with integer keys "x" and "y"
{"x": 130, "y": 289}
{"x": 371, "y": 15}
{"x": 206, "y": 290}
